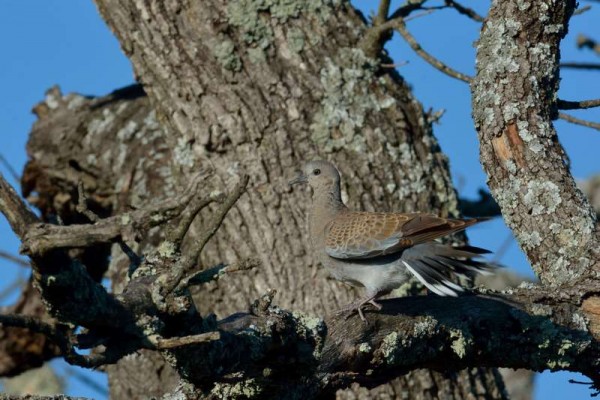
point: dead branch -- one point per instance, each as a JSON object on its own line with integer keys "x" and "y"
{"x": 400, "y": 26}
{"x": 42, "y": 238}
{"x": 577, "y": 65}
{"x": 216, "y": 272}
{"x": 17, "y": 260}
{"x": 469, "y": 12}
{"x": 14, "y": 209}
{"x": 188, "y": 262}
{"x": 171, "y": 343}
{"x": 575, "y": 105}
{"x": 578, "y": 121}
{"x": 13, "y": 173}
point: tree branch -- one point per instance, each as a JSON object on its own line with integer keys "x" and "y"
{"x": 469, "y": 12}
{"x": 382, "y": 12}
{"x": 17, "y": 260}
{"x": 578, "y": 121}
{"x": 185, "y": 267}
{"x": 576, "y": 65}
{"x": 42, "y": 238}
{"x": 19, "y": 216}
{"x": 574, "y": 105}
{"x": 431, "y": 60}
{"x": 427, "y": 331}
{"x": 10, "y": 168}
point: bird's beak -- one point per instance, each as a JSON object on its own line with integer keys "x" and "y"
{"x": 301, "y": 178}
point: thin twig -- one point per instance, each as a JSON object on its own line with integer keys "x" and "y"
{"x": 17, "y": 260}
{"x": 218, "y": 217}
{"x": 10, "y": 169}
{"x": 469, "y": 12}
{"x": 178, "y": 232}
{"x": 582, "y": 122}
{"x": 82, "y": 206}
{"x": 171, "y": 343}
{"x": 216, "y": 272}
{"x": 574, "y": 105}
{"x": 396, "y": 65}
{"x": 189, "y": 261}
{"x": 581, "y": 10}
{"x": 401, "y": 28}
{"x": 504, "y": 246}
{"x": 576, "y": 65}
{"x": 419, "y": 15}
{"x": 406, "y": 9}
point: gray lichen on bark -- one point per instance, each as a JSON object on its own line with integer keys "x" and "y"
{"x": 514, "y": 103}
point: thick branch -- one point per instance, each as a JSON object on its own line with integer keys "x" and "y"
{"x": 520, "y": 151}
{"x": 41, "y": 238}
{"x": 409, "y": 333}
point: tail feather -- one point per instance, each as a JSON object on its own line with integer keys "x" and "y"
{"x": 437, "y": 266}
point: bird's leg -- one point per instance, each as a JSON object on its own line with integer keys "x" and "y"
{"x": 358, "y": 305}
{"x": 375, "y": 304}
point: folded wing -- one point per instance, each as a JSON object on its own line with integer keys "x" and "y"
{"x": 360, "y": 235}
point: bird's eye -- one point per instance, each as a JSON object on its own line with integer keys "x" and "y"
{"x": 316, "y": 172}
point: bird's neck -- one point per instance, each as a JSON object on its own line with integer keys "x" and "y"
{"x": 327, "y": 204}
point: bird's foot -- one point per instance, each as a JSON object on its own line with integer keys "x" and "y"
{"x": 356, "y": 307}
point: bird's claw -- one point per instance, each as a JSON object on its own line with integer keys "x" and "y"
{"x": 356, "y": 307}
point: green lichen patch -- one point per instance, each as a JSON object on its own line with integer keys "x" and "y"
{"x": 296, "y": 39}
{"x": 389, "y": 347}
{"x": 312, "y": 330}
{"x": 224, "y": 52}
{"x": 348, "y": 98}
{"x": 252, "y": 16}
{"x": 256, "y": 55}
{"x": 167, "y": 249}
{"x": 460, "y": 342}
{"x": 247, "y": 388}
{"x": 364, "y": 347}
{"x": 542, "y": 197}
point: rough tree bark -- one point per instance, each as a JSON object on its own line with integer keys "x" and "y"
{"x": 257, "y": 87}
{"x": 261, "y": 87}
{"x": 266, "y": 85}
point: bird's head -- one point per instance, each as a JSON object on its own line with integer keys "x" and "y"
{"x": 320, "y": 175}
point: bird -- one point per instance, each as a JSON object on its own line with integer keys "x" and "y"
{"x": 379, "y": 251}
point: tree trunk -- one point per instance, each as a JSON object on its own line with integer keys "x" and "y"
{"x": 256, "y": 87}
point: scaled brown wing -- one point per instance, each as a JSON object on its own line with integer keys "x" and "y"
{"x": 359, "y": 235}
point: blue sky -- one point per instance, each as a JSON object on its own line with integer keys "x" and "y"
{"x": 66, "y": 43}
